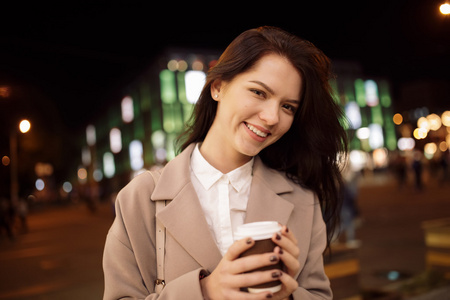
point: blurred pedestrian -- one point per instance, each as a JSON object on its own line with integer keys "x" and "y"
{"x": 399, "y": 168}
{"x": 262, "y": 146}
{"x": 417, "y": 167}
{"x": 6, "y": 217}
{"x": 349, "y": 209}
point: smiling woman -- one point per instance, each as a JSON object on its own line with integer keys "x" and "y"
{"x": 256, "y": 150}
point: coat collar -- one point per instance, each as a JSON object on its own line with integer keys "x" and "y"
{"x": 184, "y": 219}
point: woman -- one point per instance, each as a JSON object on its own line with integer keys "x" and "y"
{"x": 262, "y": 147}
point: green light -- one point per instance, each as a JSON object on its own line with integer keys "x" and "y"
{"x": 384, "y": 94}
{"x": 389, "y": 128}
{"x": 181, "y": 87}
{"x": 377, "y": 115}
{"x": 168, "y": 89}
{"x": 360, "y": 92}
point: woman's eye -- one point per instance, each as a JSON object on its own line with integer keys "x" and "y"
{"x": 258, "y": 92}
{"x": 290, "y": 108}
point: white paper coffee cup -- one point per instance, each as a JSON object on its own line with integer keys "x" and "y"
{"x": 261, "y": 233}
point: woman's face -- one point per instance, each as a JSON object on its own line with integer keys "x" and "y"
{"x": 257, "y": 107}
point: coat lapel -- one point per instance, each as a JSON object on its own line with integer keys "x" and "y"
{"x": 265, "y": 203}
{"x": 183, "y": 217}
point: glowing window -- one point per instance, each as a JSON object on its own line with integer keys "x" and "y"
{"x": 136, "y": 155}
{"x": 371, "y": 89}
{"x": 127, "y": 109}
{"x": 360, "y": 93}
{"x": 376, "y": 138}
{"x": 168, "y": 90}
{"x": 353, "y": 114}
{"x": 115, "y": 140}
{"x": 86, "y": 156}
{"x": 90, "y": 135}
{"x": 194, "y": 81}
{"x": 109, "y": 168}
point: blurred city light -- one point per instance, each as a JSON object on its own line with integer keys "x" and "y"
{"x": 443, "y": 146}
{"x": 67, "y": 187}
{"x": 4, "y": 92}
{"x": 90, "y": 135}
{"x": 445, "y": 9}
{"x": 194, "y": 80}
{"x": 97, "y": 175}
{"x": 405, "y": 143}
{"x": 429, "y": 150}
{"x": 398, "y": 119}
{"x": 420, "y": 133}
{"x": 115, "y": 140}
{"x": 376, "y": 139}
{"x": 363, "y": 133}
{"x": 82, "y": 174}
{"x": 136, "y": 155}
{"x": 6, "y": 160}
{"x": 39, "y": 184}
{"x": 353, "y": 114}
{"x": 434, "y": 121}
{"x": 109, "y": 168}
{"x": 423, "y": 123}
{"x": 358, "y": 160}
{"x": 24, "y": 126}
{"x": 445, "y": 118}
{"x": 127, "y": 109}
{"x": 371, "y": 93}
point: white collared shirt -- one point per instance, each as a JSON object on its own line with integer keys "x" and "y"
{"x": 223, "y": 197}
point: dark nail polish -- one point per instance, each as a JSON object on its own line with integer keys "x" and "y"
{"x": 278, "y": 237}
{"x": 281, "y": 251}
{"x": 249, "y": 241}
{"x": 276, "y": 274}
{"x": 287, "y": 230}
{"x": 268, "y": 296}
{"x": 273, "y": 258}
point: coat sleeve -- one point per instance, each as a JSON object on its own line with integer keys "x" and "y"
{"x": 129, "y": 259}
{"x": 313, "y": 282}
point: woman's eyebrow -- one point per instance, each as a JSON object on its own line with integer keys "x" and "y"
{"x": 263, "y": 85}
{"x": 271, "y": 91}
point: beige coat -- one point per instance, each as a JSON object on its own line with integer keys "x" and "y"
{"x": 129, "y": 261}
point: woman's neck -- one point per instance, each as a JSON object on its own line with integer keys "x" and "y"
{"x": 221, "y": 157}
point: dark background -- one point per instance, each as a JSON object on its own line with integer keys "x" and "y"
{"x": 66, "y": 61}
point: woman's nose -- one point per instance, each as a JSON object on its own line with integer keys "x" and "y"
{"x": 270, "y": 113}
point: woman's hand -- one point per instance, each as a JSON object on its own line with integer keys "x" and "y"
{"x": 227, "y": 279}
{"x": 289, "y": 252}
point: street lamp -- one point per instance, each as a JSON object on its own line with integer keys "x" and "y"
{"x": 445, "y": 9}
{"x": 24, "y": 127}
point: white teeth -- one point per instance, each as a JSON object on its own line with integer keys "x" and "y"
{"x": 256, "y": 131}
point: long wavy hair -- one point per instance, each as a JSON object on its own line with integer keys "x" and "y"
{"x": 308, "y": 153}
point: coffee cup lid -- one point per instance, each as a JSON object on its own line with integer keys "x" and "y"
{"x": 257, "y": 230}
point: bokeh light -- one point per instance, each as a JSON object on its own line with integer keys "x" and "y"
{"x": 24, "y": 126}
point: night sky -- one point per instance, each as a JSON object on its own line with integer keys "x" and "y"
{"x": 80, "y": 53}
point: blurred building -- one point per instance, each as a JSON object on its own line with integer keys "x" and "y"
{"x": 139, "y": 131}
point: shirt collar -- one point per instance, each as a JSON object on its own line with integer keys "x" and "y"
{"x": 208, "y": 175}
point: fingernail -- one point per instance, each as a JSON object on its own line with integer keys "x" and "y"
{"x": 287, "y": 230}
{"x": 268, "y": 296}
{"x": 278, "y": 237}
{"x": 249, "y": 241}
{"x": 281, "y": 251}
{"x": 273, "y": 258}
{"x": 276, "y": 274}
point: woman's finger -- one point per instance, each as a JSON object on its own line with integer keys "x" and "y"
{"x": 238, "y": 247}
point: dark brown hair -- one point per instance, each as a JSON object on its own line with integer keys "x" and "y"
{"x": 308, "y": 152}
